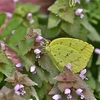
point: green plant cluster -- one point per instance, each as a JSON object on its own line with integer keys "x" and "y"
{"x": 61, "y": 22}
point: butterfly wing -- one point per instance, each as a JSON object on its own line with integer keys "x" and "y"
{"x": 68, "y": 50}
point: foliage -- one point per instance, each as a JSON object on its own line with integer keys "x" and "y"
{"x": 18, "y": 42}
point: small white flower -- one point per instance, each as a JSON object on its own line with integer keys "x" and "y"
{"x": 15, "y": 1}
{"x": 77, "y": 1}
{"x": 78, "y": 12}
{"x": 68, "y": 91}
{"x": 13, "y": 31}
{"x": 19, "y": 89}
{"x": 39, "y": 38}
{"x": 68, "y": 65}
{"x": 37, "y": 52}
{"x": 81, "y": 15}
{"x": 69, "y": 96}
{"x": 79, "y": 92}
{"x": 41, "y": 43}
{"x": 31, "y": 21}
{"x": 56, "y": 97}
{"x": 82, "y": 96}
{"x": 8, "y": 14}
{"x": 18, "y": 64}
{"x": 29, "y": 16}
{"x": 37, "y": 56}
{"x": 82, "y": 74}
{"x": 97, "y": 51}
{"x": 32, "y": 69}
{"x": 3, "y": 46}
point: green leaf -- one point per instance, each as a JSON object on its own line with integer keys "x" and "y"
{"x": 98, "y": 60}
{"x": 59, "y": 5}
{"x": 2, "y": 18}
{"x": 52, "y": 32}
{"x": 63, "y": 10}
{"x": 36, "y": 21}
{"x": 25, "y": 46}
{"x": 97, "y": 86}
{"x": 34, "y": 93}
{"x": 40, "y": 73}
{"x": 19, "y": 10}
{"x": 42, "y": 90}
{"x": 31, "y": 56}
{"x": 4, "y": 59}
{"x": 93, "y": 21}
{"x": 50, "y": 77}
{"x": 93, "y": 34}
{"x": 42, "y": 19}
{"x": 6, "y": 69}
{"x": 99, "y": 74}
{"x": 72, "y": 29}
{"x": 26, "y": 62}
{"x": 54, "y": 90}
{"x": 18, "y": 35}
{"x": 1, "y": 77}
{"x": 49, "y": 67}
{"x": 89, "y": 64}
{"x": 53, "y": 20}
{"x": 29, "y": 7}
{"x": 67, "y": 15}
{"x": 91, "y": 82}
{"x": 12, "y": 25}
{"x": 29, "y": 82}
{"x": 36, "y": 79}
{"x": 42, "y": 16}
{"x": 83, "y": 34}
{"x": 23, "y": 9}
